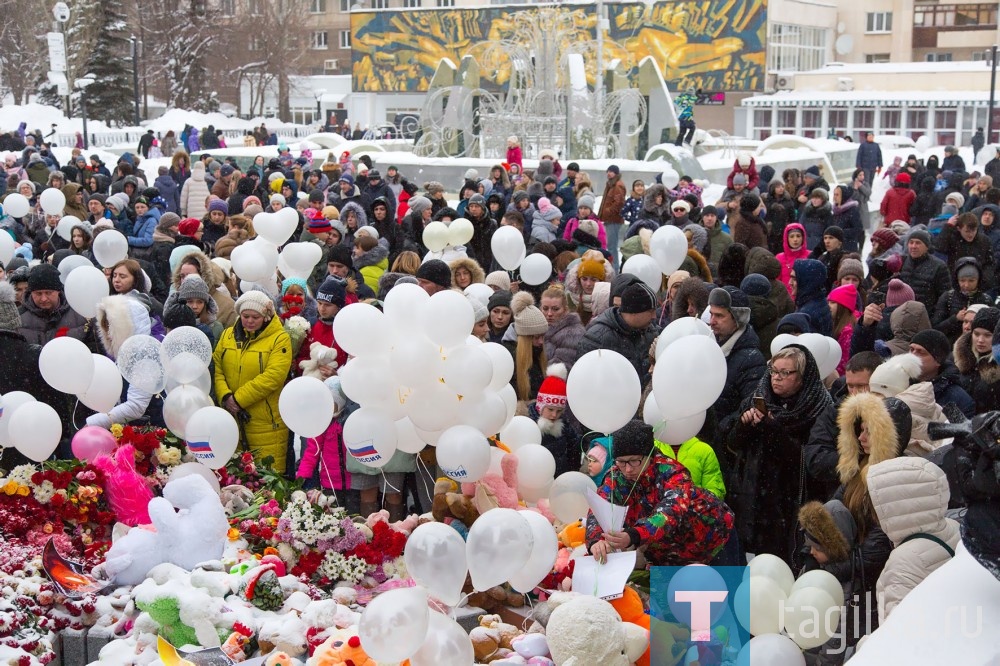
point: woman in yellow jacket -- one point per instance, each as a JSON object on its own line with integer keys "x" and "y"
{"x": 252, "y": 360}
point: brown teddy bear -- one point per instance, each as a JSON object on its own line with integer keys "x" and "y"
{"x": 449, "y": 505}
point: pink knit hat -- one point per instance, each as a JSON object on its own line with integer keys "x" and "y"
{"x": 846, "y": 295}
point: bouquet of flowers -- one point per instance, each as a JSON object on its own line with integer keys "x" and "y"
{"x": 297, "y": 328}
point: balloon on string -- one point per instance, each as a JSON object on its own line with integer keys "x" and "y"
{"x": 416, "y": 361}
{"x": 185, "y": 353}
{"x": 435, "y": 558}
{"x": 484, "y": 411}
{"x": 9, "y": 403}
{"x": 407, "y": 438}
{"x": 460, "y": 232}
{"x": 503, "y": 365}
{"x": 306, "y": 406}
{"x": 435, "y": 236}
{"x": 833, "y": 358}
{"x": 52, "y": 200}
{"x": 432, "y": 407}
{"x": 646, "y": 269}
{"x": 463, "y": 454}
{"x": 275, "y": 228}
{"x": 507, "y": 244}
{"x": 180, "y": 405}
{"x": 430, "y": 437}
{"x": 509, "y": 397}
{"x": 65, "y": 227}
{"x": 394, "y": 624}
{"x": 85, "y": 287}
{"x": 668, "y": 246}
{"x": 468, "y": 370}
{"x": 362, "y": 330}
{"x": 202, "y": 383}
{"x": 110, "y": 246}
{"x": 447, "y": 643}
{"x": 812, "y": 616}
{"x": 818, "y": 578}
{"x": 105, "y": 388}
{"x": 189, "y": 468}
{"x": 367, "y": 380}
{"x": 403, "y": 305}
{"x": 16, "y": 205}
{"x": 66, "y": 365}
{"x": 499, "y": 544}
{"x": 34, "y": 430}
{"x": 774, "y": 568}
{"x": 535, "y": 466}
{"x": 544, "y": 548}
{"x": 675, "y": 431}
{"x": 139, "y": 362}
{"x": 71, "y": 263}
{"x": 603, "y": 390}
{"x": 370, "y": 436}
{"x": 92, "y": 441}
{"x": 568, "y": 496}
{"x": 447, "y": 319}
{"x": 689, "y": 376}
{"x": 758, "y": 604}
{"x": 536, "y": 269}
{"x": 300, "y": 259}
{"x": 680, "y": 328}
{"x": 212, "y": 436}
{"x": 521, "y": 431}
{"x": 7, "y": 248}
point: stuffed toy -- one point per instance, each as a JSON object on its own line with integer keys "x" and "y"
{"x": 495, "y": 490}
{"x": 573, "y": 535}
{"x": 494, "y": 599}
{"x": 127, "y": 490}
{"x": 452, "y": 507}
{"x": 260, "y": 586}
{"x": 587, "y": 630}
{"x": 493, "y": 639}
{"x": 343, "y": 648}
{"x": 630, "y": 608}
{"x": 404, "y": 526}
{"x": 319, "y": 356}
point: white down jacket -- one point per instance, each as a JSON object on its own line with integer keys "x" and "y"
{"x": 910, "y": 495}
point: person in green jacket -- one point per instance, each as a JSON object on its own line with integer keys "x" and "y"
{"x": 701, "y": 462}
{"x": 718, "y": 240}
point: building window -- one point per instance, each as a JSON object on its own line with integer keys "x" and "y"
{"x": 890, "y": 122}
{"x": 864, "y": 121}
{"x": 836, "y": 120}
{"x": 786, "y": 122}
{"x": 795, "y": 48}
{"x": 227, "y": 7}
{"x": 345, "y": 5}
{"x": 955, "y": 16}
{"x": 876, "y": 57}
{"x": 255, "y": 43}
{"x": 320, "y": 39}
{"x": 879, "y": 22}
{"x": 916, "y": 123}
{"x": 411, "y": 4}
{"x": 812, "y": 121}
{"x": 345, "y": 39}
{"x": 317, "y": 6}
{"x": 938, "y": 57}
{"x": 762, "y": 123}
{"x": 945, "y": 122}
{"x": 445, "y": 3}
{"x": 253, "y": 7}
{"x": 380, "y": 4}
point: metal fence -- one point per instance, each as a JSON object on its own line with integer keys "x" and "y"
{"x": 233, "y": 136}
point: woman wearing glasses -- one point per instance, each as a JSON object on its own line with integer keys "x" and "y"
{"x": 669, "y": 519}
{"x": 767, "y": 483}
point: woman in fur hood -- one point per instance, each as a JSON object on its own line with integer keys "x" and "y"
{"x": 197, "y": 263}
{"x": 465, "y": 272}
{"x": 118, "y": 318}
{"x": 973, "y": 353}
{"x": 655, "y": 205}
{"x": 581, "y": 278}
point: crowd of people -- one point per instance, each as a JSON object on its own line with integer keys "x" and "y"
{"x": 781, "y": 464}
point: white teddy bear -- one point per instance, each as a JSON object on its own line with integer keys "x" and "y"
{"x": 587, "y": 630}
{"x": 319, "y": 356}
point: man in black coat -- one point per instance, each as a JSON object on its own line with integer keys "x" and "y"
{"x": 376, "y": 187}
{"x": 927, "y": 275}
{"x": 627, "y": 329}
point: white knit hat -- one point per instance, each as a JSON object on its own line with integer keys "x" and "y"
{"x": 256, "y": 301}
{"x": 499, "y": 279}
{"x": 894, "y": 376}
{"x": 528, "y": 319}
{"x": 368, "y": 229}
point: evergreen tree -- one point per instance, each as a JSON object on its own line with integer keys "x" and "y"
{"x": 110, "y": 98}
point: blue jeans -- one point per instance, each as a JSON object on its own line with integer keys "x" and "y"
{"x": 615, "y": 234}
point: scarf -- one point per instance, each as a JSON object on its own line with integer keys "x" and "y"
{"x": 728, "y": 345}
{"x": 804, "y": 406}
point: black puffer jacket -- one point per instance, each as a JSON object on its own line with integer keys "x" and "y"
{"x": 744, "y": 367}
{"x": 980, "y": 376}
{"x": 951, "y": 244}
{"x": 764, "y": 320}
{"x": 815, "y": 221}
{"x": 944, "y": 318}
{"x": 928, "y": 277}
{"x": 39, "y": 326}
{"x": 609, "y": 331}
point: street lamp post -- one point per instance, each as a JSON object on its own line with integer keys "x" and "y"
{"x": 81, "y": 85}
{"x": 992, "y": 55}
{"x": 135, "y": 76}
{"x": 318, "y": 93}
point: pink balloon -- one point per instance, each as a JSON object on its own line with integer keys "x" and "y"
{"x": 92, "y": 441}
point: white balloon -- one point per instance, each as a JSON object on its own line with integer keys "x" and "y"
{"x": 433, "y": 407}
{"x": 646, "y": 269}
{"x": 503, "y": 365}
{"x": 674, "y": 432}
{"x": 429, "y": 437}
{"x": 435, "y": 236}
{"x": 66, "y": 365}
{"x": 669, "y": 178}
{"x": 486, "y": 412}
{"x": 190, "y": 344}
{"x": 468, "y": 370}
{"x": 367, "y": 380}
{"x": 480, "y": 291}
{"x": 52, "y": 200}
{"x": 404, "y": 304}
{"x": 544, "y": 549}
{"x": 812, "y": 616}
{"x": 535, "y": 466}
{"x": 447, "y": 318}
{"x": 212, "y": 436}
{"x": 507, "y": 244}
{"x": 7, "y": 248}
{"x": 521, "y": 431}
{"x": 65, "y": 227}
{"x": 771, "y": 650}
{"x": 9, "y": 403}
{"x": 821, "y": 579}
{"x": 362, "y": 330}
{"x": 16, "y": 205}
{"x": 105, "y": 388}
{"x": 774, "y": 568}
{"x": 266, "y": 249}
{"x": 394, "y": 624}
{"x": 668, "y": 246}
{"x": 447, "y": 644}
{"x": 34, "y": 430}
{"x": 139, "y": 362}
{"x": 110, "y": 247}
{"x": 463, "y": 454}
{"x": 416, "y": 361}
{"x": 834, "y": 356}
{"x": 180, "y": 405}
{"x": 689, "y": 376}
{"x": 498, "y": 546}
{"x": 203, "y": 383}
{"x": 603, "y": 390}
{"x": 306, "y": 406}
{"x": 74, "y": 261}
{"x": 435, "y": 558}
{"x": 85, "y": 287}
{"x": 536, "y": 269}
{"x": 460, "y": 232}
{"x": 568, "y": 496}
{"x": 370, "y": 436}
{"x": 301, "y": 258}
{"x": 247, "y": 264}
{"x": 782, "y": 340}
{"x": 407, "y": 438}
{"x": 276, "y": 228}
{"x": 189, "y": 468}
{"x": 923, "y": 143}
{"x": 680, "y": 328}
{"x": 764, "y": 599}
{"x": 509, "y": 397}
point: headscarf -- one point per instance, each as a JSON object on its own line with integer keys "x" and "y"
{"x": 806, "y": 405}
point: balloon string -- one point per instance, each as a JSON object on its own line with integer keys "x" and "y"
{"x": 421, "y": 463}
{"x": 72, "y": 417}
{"x": 324, "y": 470}
{"x": 454, "y": 609}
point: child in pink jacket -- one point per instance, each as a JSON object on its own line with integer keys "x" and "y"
{"x": 327, "y": 456}
{"x": 585, "y": 211}
{"x": 796, "y": 249}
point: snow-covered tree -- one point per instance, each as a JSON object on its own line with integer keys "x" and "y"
{"x": 110, "y": 97}
{"x": 180, "y": 38}
{"x": 23, "y": 51}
